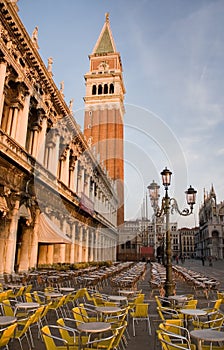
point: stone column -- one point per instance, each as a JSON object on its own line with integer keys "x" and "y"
{"x": 3, "y": 66}
{"x": 42, "y": 141}
{"x": 35, "y": 141}
{"x": 65, "y": 166}
{"x": 9, "y": 121}
{"x": 34, "y": 241}
{"x": 24, "y": 261}
{"x": 14, "y": 126}
{"x": 21, "y": 132}
{"x": 11, "y": 241}
{"x": 50, "y": 254}
{"x": 95, "y": 251}
{"x": 86, "y": 244}
{"x": 80, "y": 243}
{"x": 54, "y": 155}
{"x": 72, "y": 251}
{"x": 92, "y": 246}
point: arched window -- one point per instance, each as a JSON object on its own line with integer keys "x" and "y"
{"x": 100, "y": 90}
{"x": 94, "y": 90}
{"x": 105, "y": 89}
{"x": 111, "y": 88}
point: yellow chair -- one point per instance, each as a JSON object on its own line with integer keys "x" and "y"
{"x": 118, "y": 340}
{"x": 139, "y": 299}
{"x": 6, "y": 334}
{"x": 27, "y": 289}
{"x": 171, "y": 341}
{"x": 175, "y": 328}
{"x": 190, "y": 304}
{"x": 52, "y": 341}
{"x": 163, "y": 302}
{"x": 39, "y": 297}
{"x": 57, "y": 306}
{"x": 90, "y": 315}
{"x": 215, "y": 308}
{"x": 23, "y": 332}
{"x": 18, "y": 295}
{"x": 78, "y": 316}
{"x": 68, "y": 331}
{"x": 220, "y": 295}
{"x": 9, "y": 309}
{"x": 166, "y": 313}
{"x": 140, "y": 314}
{"x": 5, "y": 294}
{"x": 214, "y": 322}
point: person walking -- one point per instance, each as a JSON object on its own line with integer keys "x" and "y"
{"x": 203, "y": 260}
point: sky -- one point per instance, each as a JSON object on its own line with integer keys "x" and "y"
{"x": 172, "y": 53}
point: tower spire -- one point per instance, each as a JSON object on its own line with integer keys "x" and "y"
{"x": 107, "y": 20}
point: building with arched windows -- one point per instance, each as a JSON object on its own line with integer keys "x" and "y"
{"x": 209, "y": 242}
{"x": 57, "y": 202}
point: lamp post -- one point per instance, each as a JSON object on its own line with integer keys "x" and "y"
{"x": 169, "y": 205}
{"x": 154, "y": 198}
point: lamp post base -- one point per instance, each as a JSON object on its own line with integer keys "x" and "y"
{"x": 169, "y": 288}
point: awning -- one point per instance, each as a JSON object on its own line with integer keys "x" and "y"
{"x": 49, "y": 232}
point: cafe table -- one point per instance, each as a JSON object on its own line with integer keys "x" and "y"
{"x": 92, "y": 328}
{"x": 53, "y": 295}
{"x": 177, "y": 300}
{"x": 207, "y": 335}
{"x": 105, "y": 311}
{"x": 195, "y": 313}
{"x": 117, "y": 298}
{"x": 26, "y": 306}
{"x": 66, "y": 290}
{"x": 7, "y": 320}
{"x": 126, "y": 292}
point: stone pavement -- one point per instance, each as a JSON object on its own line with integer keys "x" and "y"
{"x": 142, "y": 340}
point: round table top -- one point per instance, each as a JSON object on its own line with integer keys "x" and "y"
{"x": 67, "y": 289}
{"x": 177, "y": 297}
{"x": 94, "y": 327}
{"x": 6, "y": 320}
{"x": 53, "y": 295}
{"x": 117, "y": 297}
{"x": 207, "y": 334}
{"x": 27, "y": 305}
{"x": 193, "y": 312}
{"x": 108, "y": 309}
{"x": 127, "y": 292}
{"x": 14, "y": 286}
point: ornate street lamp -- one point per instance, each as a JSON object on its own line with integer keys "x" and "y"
{"x": 169, "y": 205}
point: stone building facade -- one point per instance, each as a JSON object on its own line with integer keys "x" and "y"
{"x": 209, "y": 242}
{"x": 186, "y": 238}
{"x": 57, "y": 204}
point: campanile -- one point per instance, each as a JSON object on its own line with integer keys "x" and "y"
{"x": 104, "y": 110}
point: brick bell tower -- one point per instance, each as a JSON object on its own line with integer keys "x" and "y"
{"x": 104, "y": 110}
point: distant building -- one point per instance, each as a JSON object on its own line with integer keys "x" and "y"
{"x": 209, "y": 241}
{"x": 137, "y": 237}
{"x": 186, "y": 241}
